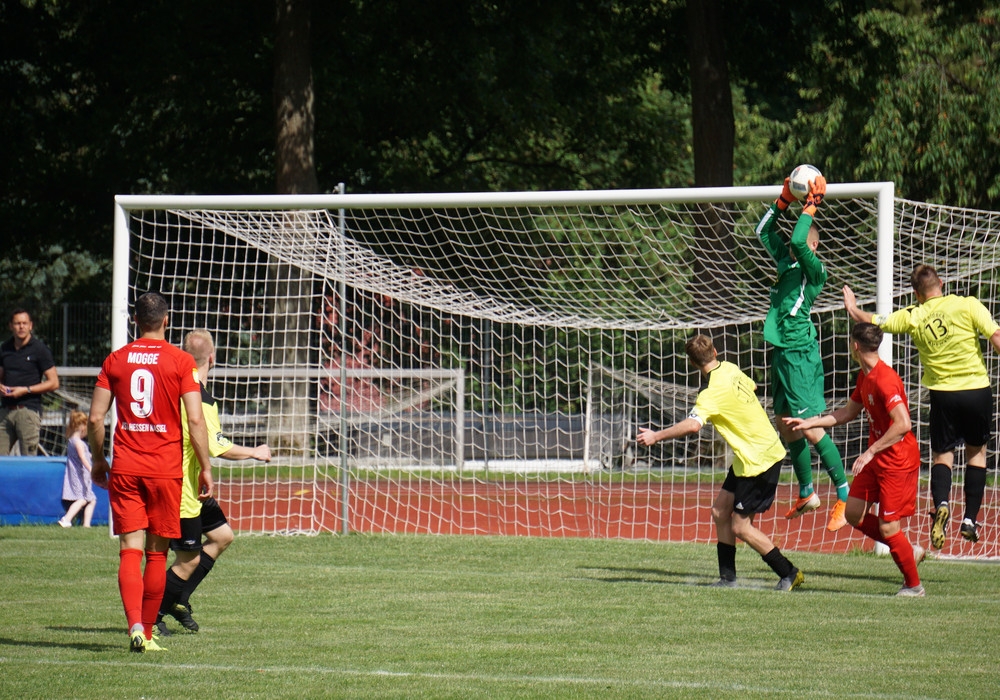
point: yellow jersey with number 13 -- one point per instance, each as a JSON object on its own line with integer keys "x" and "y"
{"x": 945, "y": 331}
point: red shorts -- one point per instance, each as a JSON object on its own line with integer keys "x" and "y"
{"x": 894, "y": 490}
{"x": 145, "y": 503}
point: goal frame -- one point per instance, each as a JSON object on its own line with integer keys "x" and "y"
{"x": 883, "y": 193}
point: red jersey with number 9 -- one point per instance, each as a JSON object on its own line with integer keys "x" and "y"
{"x": 147, "y": 378}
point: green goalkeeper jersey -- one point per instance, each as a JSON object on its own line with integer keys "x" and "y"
{"x": 800, "y": 279}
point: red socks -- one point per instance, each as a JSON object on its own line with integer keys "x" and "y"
{"x": 130, "y": 585}
{"x": 900, "y": 549}
{"x": 154, "y": 580}
{"x": 902, "y": 553}
{"x": 141, "y": 590}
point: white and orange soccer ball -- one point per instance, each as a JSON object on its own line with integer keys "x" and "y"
{"x": 798, "y": 181}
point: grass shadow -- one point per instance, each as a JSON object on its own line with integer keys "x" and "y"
{"x": 823, "y": 578}
{"x": 80, "y": 646}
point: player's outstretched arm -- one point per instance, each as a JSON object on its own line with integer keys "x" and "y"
{"x": 786, "y": 197}
{"x": 262, "y": 453}
{"x": 851, "y": 304}
{"x": 647, "y": 436}
{"x": 767, "y": 227}
{"x": 844, "y": 414}
{"x": 817, "y": 192}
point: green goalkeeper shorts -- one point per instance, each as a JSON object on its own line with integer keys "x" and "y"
{"x": 797, "y": 381}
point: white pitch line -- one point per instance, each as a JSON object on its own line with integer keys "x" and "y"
{"x": 473, "y": 677}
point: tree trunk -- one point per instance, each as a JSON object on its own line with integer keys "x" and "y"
{"x": 293, "y": 100}
{"x": 712, "y": 121}
{"x": 291, "y": 422}
{"x": 713, "y": 132}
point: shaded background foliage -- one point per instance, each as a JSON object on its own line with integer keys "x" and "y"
{"x": 107, "y": 96}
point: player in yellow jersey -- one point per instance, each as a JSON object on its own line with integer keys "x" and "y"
{"x": 946, "y": 330}
{"x": 193, "y": 558}
{"x": 730, "y": 403}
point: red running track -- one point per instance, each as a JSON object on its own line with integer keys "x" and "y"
{"x": 656, "y": 512}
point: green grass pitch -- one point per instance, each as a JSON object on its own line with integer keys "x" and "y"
{"x": 401, "y": 616}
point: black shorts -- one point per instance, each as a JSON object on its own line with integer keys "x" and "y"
{"x": 753, "y": 494}
{"x": 192, "y": 529}
{"x": 960, "y": 417}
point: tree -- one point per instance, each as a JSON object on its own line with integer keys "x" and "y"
{"x": 291, "y": 317}
{"x": 109, "y": 97}
{"x": 293, "y": 99}
{"x": 907, "y": 95}
{"x": 935, "y": 128}
{"x": 467, "y": 96}
{"x": 712, "y": 119}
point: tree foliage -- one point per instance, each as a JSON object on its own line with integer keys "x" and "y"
{"x": 483, "y": 96}
{"x": 108, "y": 96}
{"x": 935, "y": 127}
{"x": 907, "y": 94}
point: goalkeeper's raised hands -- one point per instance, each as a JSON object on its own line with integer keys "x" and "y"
{"x": 786, "y": 197}
{"x": 817, "y": 191}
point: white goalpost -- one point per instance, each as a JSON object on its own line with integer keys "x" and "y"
{"x": 479, "y": 363}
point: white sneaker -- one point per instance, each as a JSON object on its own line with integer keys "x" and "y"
{"x": 63, "y": 523}
{"x": 911, "y": 592}
{"x": 804, "y": 505}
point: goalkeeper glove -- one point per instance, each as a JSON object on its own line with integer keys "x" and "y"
{"x": 817, "y": 190}
{"x": 786, "y": 197}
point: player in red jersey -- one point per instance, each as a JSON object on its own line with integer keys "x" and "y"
{"x": 888, "y": 471}
{"x": 147, "y": 379}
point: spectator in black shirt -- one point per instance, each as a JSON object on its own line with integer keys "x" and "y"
{"x": 27, "y": 371}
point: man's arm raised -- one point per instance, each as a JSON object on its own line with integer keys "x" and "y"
{"x": 851, "y": 304}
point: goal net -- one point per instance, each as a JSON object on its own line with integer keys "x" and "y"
{"x": 479, "y": 363}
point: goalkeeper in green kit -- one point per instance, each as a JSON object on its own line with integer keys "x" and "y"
{"x": 797, "y": 381}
